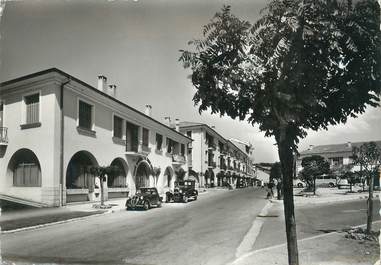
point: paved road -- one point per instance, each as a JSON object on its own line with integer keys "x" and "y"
{"x": 207, "y": 231}
{"x": 314, "y": 219}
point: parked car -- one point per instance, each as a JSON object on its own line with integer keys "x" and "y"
{"x": 184, "y": 191}
{"x": 144, "y": 198}
{"x": 298, "y": 183}
{"x": 326, "y": 180}
{"x": 342, "y": 184}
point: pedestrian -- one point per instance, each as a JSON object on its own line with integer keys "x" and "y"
{"x": 279, "y": 190}
{"x": 271, "y": 186}
{"x": 262, "y": 184}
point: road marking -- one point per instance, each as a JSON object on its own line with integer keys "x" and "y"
{"x": 247, "y": 254}
{"x": 251, "y": 236}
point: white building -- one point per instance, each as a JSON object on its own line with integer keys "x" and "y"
{"x": 54, "y": 127}
{"x": 214, "y": 160}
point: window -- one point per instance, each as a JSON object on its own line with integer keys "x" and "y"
{"x": 32, "y": 108}
{"x": 159, "y": 141}
{"x": 336, "y": 161}
{"x": 145, "y": 137}
{"x": 189, "y": 134}
{"x": 169, "y": 145}
{"x": 26, "y": 169}
{"x": 118, "y": 127}
{"x": 85, "y": 115}
{"x": 182, "y": 149}
{"x": 1, "y": 114}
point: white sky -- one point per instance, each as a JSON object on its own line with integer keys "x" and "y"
{"x": 135, "y": 44}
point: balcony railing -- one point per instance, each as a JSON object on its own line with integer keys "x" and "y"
{"x": 178, "y": 159}
{"x": 136, "y": 149}
{"x": 212, "y": 146}
{"x": 3, "y": 136}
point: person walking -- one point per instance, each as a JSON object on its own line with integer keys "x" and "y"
{"x": 279, "y": 190}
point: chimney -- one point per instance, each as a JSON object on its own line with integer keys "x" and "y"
{"x": 213, "y": 127}
{"x": 167, "y": 121}
{"x": 112, "y": 90}
{"x": 148, "y": 110}
{"x": 177, "y": 123}
{"x": 102, "y": 83}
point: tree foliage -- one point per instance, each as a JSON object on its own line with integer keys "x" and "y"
{"x": 305, "y": 64}
{"x": 368, "y": 157}
{"x": 313, "y": 166}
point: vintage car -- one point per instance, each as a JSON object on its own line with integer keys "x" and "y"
{"x": 184, "y": 190}
{"x": 144, "y": 198}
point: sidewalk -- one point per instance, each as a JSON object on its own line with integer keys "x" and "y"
{"x": 328, "y": 195}
{"x": 31, "y": 218}
{"x": 323, "y": 249}
{"x": 330, "y": 248}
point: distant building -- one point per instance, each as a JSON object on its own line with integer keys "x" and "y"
{"x": 214, "y": 160}
{"x": 338, "y": 155}
{"x": 54, "y": 127}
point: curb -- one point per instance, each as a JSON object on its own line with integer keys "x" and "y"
{"x": 51, "y": 224}
{"x": 332, "y": 200}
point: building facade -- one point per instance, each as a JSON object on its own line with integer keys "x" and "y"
{"x": 214, "y": 160}
{"x": 55, "y": 127}
{"x": 338, "y": 156}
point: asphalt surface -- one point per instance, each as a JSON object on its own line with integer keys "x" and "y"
{"x": 206, "y": 231}
{"x": 315, "y": 219}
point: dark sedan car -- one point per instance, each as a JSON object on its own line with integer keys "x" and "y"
{"x": 144, "y": 198}
{"x": 184, "y": 191}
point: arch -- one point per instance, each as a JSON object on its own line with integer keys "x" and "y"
{"x": 78, "y": 175}
{"x": 25, "y": 168}
{"x": 118, "y": 180}
{"x": 168, "y": 173}
{"x": 193, "y": 175}
{"x": 220, "y": 178}
{"x": 142, "y": 175}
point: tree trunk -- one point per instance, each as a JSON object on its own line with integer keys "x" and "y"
{"x": 102, "y": 192}
{"x": 286, "y": 159}
{"x": 370, "y": 205}
{"x": 314, "y": 185}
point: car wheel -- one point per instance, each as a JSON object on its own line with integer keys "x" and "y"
{"x": 300, "y": 185}
{"x": 185, "y": 199}
{"x": 146, "y": 205}
{"x": 195, "y": 198}
{"x": 159, "y": 204}
{"x": 331, "y": 185}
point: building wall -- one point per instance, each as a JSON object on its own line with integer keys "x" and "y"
{"x": 40, "y": 140}
{"x": 102, "y": 146}
{"x": 44, "y": 141}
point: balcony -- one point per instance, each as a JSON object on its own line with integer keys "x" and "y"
{"x": 212, "y": 164}
{"x": 137, "y": 150}
{"x": 178, "y": 159}
{"x": 3, "y": 136}
{"x": 212, "y": 146}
